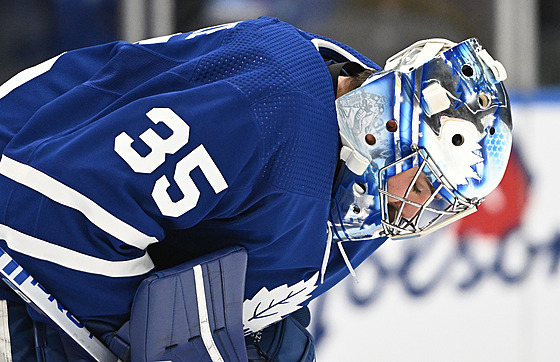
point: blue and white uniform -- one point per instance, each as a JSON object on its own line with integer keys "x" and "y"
{"x": 220, "y": 137}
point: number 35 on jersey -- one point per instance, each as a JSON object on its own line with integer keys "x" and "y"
{"x": 159, "y": 148}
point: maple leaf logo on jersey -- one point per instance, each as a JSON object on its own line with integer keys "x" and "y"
{"x": 270, "y": 306}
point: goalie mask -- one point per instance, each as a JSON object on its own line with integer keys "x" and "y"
{"x": 423, "y": 142}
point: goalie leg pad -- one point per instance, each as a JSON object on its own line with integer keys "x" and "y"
{"x": 191, "y": 312}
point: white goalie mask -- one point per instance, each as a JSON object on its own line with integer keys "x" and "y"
{"x": 438, "y": 116}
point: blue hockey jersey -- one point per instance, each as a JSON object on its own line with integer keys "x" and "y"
{"x": 203, "y": 140}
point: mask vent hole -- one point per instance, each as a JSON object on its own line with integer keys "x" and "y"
{"x": 392, "y": 125}
{"x": 483, "y": 100}
{"x": 458, "y": 140}
{"x": 467, "y": 70}
{"x": 492, "y": 131}
{"x": 370, "y": 139}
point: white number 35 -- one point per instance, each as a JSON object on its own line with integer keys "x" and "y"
{"x": 159, "y": 147}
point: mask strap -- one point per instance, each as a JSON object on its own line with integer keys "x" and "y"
{"x": 495, "y": 66}
{"x": 427, "y": 49}
{"x": 347, "y": 261}
{"x": 327, "y": 254}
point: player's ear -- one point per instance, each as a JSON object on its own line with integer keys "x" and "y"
{"x": 344, "y": 86}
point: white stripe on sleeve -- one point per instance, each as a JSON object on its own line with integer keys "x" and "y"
{"x": 72, "y": 259}
{"x": 62, "y": 194}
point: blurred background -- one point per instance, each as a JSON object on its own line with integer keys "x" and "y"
{"x": 485, "y": 289}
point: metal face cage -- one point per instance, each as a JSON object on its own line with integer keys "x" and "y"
{"x": 444, "y": 205}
